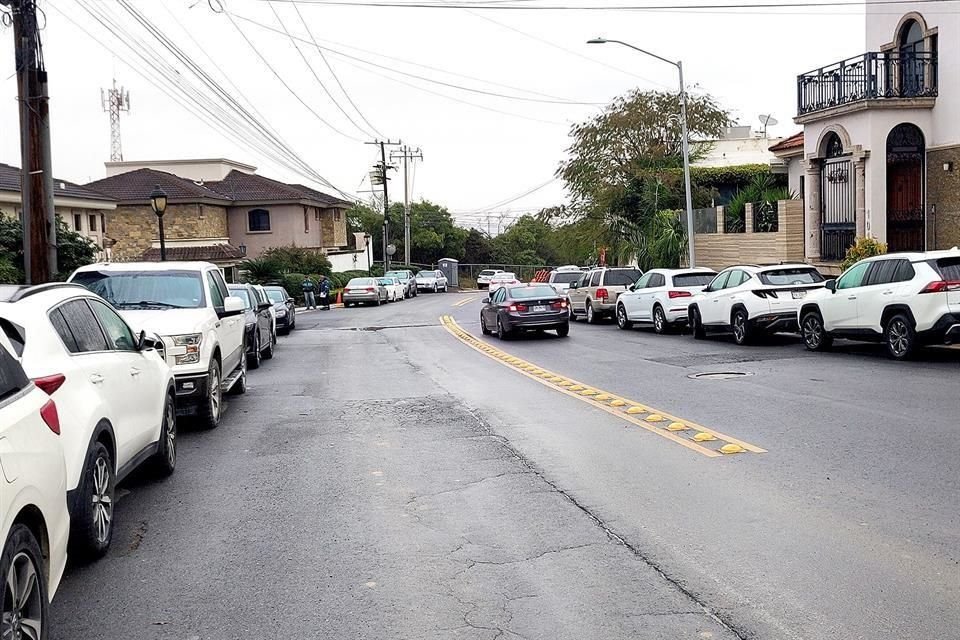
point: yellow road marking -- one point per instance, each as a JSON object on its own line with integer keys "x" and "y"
{"x": 465, "y": 301}
{"x": 611, "y": 403}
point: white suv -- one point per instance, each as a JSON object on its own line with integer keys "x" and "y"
{"x": 202, "y": 326}
{"x": 114, "y": 392}
{"x": 34, "y": 523}
{"x": 903, "y": 299}
{"x": 483, "y": 280}
{"x": 748, "y": 300}
{"x": 660, "y": 298}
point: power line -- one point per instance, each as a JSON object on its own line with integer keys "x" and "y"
{"x": 514, "y": 5}
{"x": 507, "y": 201}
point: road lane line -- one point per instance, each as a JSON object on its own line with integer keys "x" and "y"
{"x": 460, "y": 303}
{"x": 659, "y": 422}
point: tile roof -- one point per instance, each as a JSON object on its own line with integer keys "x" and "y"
{"x": 10, "y": 181}
{"x": 792, "y": 143}
{"x": 240, "y": 186}
{"x": 136, "y": 186}
{"x": 204, "y": 253}
{"x": 323, "y": 197}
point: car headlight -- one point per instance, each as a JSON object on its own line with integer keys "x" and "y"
{"x": 281, "y": 313}
{"x": 192, "y": 343}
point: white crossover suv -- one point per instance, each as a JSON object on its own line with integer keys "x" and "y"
{"x": 432, "y": 281}
{"x": 202, "y": 327}
{"x": 34, "y": 523}
{"x": 114, "y": 392}
{"x": 904, "y": 300}
{"x": 660, "y": 298}
{"x": 483, "y": 280}
{"x": 750, "y": 300}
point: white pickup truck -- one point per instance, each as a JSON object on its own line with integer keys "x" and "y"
{"x": 187, "y": 304}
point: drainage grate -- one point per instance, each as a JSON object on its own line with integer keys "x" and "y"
{"x": 719, "y": 375}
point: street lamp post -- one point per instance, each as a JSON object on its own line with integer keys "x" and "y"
{"x": 158, "y": 201}
{"x": 366, "y": 245}
{"x": 684, "y": 144}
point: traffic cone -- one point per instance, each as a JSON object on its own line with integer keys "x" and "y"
{"x": 339, "y": 297}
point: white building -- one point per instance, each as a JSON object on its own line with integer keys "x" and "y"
{"x": 881, "y": 136}
{"x": 737, "y": 146}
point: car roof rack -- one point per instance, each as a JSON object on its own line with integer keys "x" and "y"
{"x": 29, "y": 290}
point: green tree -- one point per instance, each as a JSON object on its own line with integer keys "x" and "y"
{"x": 477, "y": 248}
{"x": 73, "y": 250}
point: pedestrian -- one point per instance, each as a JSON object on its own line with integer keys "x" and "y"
{"x": 324, "y": 293}
{"x": 309, "y": 290}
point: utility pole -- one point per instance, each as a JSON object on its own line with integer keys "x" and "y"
{"x": 36, "y": 184}
{"x": 114, "y": 101}
{"x": 381, "y": 174}
{"x": 407, "y": 154}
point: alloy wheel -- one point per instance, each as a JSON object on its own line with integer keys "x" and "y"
{"x": 659, "y": 321}
{"x": 812, "y": 332}
{"x": 898, "y": 336}
{"x": 102, "y": 499}
{"x": 215, "y": 394}
{"x": 23, "y": 605}
{"x": 589, "y": 313}
{"x": 739, "y": 328}
{"x": 170, "y": 433}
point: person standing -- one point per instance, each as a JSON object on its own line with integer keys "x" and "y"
{"x": 309, "y": 293}
{"x": 324, "y": 293}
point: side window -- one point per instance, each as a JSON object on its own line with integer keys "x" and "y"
{"x": 12, "y": 376}
{"x": 720, "y": 282}
{"x": 905, "y": 272}
{"x": 584, "y": 279}
{"x": 657, "y": 280}
{"x": 118, "y": 333}
{"x": 595, "y": 278}
{"x": 854, "y": 276}
{"x": 881, "y": 272}
{"x": 87, "y": 335}
{"x": 737, "y": 277}
{"x": 63, "y": 330}
{"x": 643, "y": 282}
{"x": 216, "y": 293}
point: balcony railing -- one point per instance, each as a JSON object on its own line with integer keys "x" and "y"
{"x": 870, "y": 76}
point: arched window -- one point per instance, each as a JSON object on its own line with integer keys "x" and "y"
{"x": 833, "y": 146}
{"x": 911, "y": 38}
{"x": 258, "y": 220}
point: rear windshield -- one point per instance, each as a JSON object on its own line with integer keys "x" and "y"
{"x": 243, "y": 294}
{"x": 505, "y": 276}
{"x": 146, "y": 289}
{"x": 361, "y": 282}
{"x": 385, "y": 280}
{"x": 277, "y": 295}
{"x": 487, "y": 272}
{"x": 539, "y": 291}
{"x": 693, "y": 279}
{"x": 621, "y": 277}
{"x": 566, "y": 277}
{"x": 949, "y": 269}
{"x": 782, "y": 277}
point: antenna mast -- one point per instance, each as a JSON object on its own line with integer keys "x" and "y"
{"x": 114, "y": 101}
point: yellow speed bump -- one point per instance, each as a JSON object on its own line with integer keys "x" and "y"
{"x": 565, "y": 383}
{"x": 618, "y": 403}
{"x": 602, "y": 397}
{"x": 588, "y": 392}
{"x": 677, "y": 426}
{"x": 732, "y": 448}
{"x": 703, "y": 436}
{"x": 577, "y": 387}
{"x": 656, "y": 417}
{"x": 633, "y": 410}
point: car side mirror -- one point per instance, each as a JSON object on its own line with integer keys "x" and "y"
{"x": 831, "y": 285}
{"x": 574, "y": 285}
{"x": 146, "y": 342}
{"x": 232, "y": 306}
{"x": 486, "y": 301}
{"x": 632, "y": 287}
{"x": 290, "y": 300}
{"x": 263, "y": 306}
{"x": 706, "y": 289}
{"x": 141, "y": 340}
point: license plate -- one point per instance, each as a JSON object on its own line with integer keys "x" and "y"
{"x": 539, "y": 309}
{"x": 797, "y": 295}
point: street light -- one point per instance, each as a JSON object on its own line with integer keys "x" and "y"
{"x": 366, "y": 245}
{"x": 158, "y": 201}
{"x": 684, "y": 144}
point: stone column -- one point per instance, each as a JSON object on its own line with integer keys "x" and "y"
{"x": 748, "y": 217}
{"x": 721, "y": 220}
{"x": 813, "y": 214}
{"x": 860, "y": 176}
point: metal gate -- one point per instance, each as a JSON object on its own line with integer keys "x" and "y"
{"x": 905, "y": 208}
{"x": 839, "y": 223}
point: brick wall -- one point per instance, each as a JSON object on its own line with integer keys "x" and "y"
{"x": 334, "y": 230}
{"x": 720, "y": 250}
{"x": 134, "y": 227}
{"x": 943, "y": 192}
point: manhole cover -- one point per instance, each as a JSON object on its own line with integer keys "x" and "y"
{"x": 719, "y": 375}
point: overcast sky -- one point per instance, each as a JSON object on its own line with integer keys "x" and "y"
{"x": 474, "y": 156}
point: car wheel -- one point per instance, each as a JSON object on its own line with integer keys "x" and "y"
{"x": 254, "y": 363}
{"x": 591, "y": 316}
{"x": 741, "y": 327}
{"x": 900, "y": 337}
{"x": 165, "y": 459}
{"x": 92, "y": 521}
{"x": 696, "y": 325}
{"x": 502, "y": 333}
{"x": 660, "y": 325}
{"x": 483, "y": 326}
{"x": 563, "y": 330}
{"x": 268, "y": 352}
{"x": 815, "y": 337}
{"x": 571, "y": 316}
{"x": 622, "y": 320}
{"x": 435, "y": 288}
{"x": 211, "y": 409}
{"x": 23, "y": 586}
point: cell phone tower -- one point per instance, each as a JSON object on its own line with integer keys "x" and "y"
{"x": 114, "y": 101}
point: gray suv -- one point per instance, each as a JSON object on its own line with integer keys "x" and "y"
{"x": 594, "y": 295}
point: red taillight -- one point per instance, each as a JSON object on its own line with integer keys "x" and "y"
{"x": 50, "y": 416}
{"x": 559, "y": 305}
{"x": 50, "y": 383}
{"x": 346, "y": 290}
{"x": 603, "y": 294}
{"x": 941, "y": 286}
{"x": 679, "y": 294}
{"x": 517, "y": 307}
{"x": 370, "y": 289}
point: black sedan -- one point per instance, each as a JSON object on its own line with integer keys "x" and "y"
{"x": 259, "y": 324}
{"x": 535, "y": 307}
{"x": 284, "y": 307}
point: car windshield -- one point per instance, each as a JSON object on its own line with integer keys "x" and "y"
{"x": 526, "y": 293}
{"x": 244, "y": 294}
{"x": 146, "y": 289}
{"x": 361, "y": 282}
{"x": 427, "y": 274}
{"x": 402, "y": 276}
{"x": 783, "y": 277}
{"x": 385, "y": 281}
{"x": 693, "y": 279}
{"x": 565, "y": 277}
{"x": 621, "y": 277}
{"x": 277, "y": 295}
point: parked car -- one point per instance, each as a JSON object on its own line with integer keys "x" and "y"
{"x": 364, "y": 291}
{"x": 660, "y": 298}
{"x": 395, "y": 290}
{"x": 904, "y": 300}
{"x": 750, "y": 300}
{"x": 262, "y": 293}
{"x": 201, "y": 324}
{"x": 432, "y": 281}
{"x": 562, "y": 277}
{"x": 34, "y": 521}
{"x": 112, "y": 385}
{"x": 502, "y": 279}
{"x": 257, "y": 324}
{"x": 284, "y": 307}
{"x": 536, "y": 307}
{"x": 594, "y": 294}
{"x": 407, "y": 279}
{"x": 483, "y": 280}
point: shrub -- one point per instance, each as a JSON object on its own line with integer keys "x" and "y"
{"x": 290, "y": 259}
{"x": 863, "y": 248}
{"x": 291, "y": 282}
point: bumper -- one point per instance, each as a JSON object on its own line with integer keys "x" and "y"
{"x": 604, "y": 308}
{"x": 780, "y": 321}
{"x": 539, "y": 321}
{"x": 191, "y": 392}
{"x": 361, "y": 297}
{"x": 945, "y": 330}
{"x": 283, "y": 321}
{"x": 676, "y": 315}
{"x": 427, "y": 286}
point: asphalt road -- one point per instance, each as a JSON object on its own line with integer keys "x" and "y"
{"x": 382, "y": 479}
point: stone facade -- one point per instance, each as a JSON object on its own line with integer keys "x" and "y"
{"x": 134, "y": 227}
{"x": 721, "y": 250}
{"x": 943, "y": 196}
{"x": 333, "y": 226}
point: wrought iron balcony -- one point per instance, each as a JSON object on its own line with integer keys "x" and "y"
{"x": 886, "y": 75}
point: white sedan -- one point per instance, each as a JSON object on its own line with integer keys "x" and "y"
{"x": 396, "y": 290}
{"x": 503, "y": 279}
{"x": 660, "y": 297}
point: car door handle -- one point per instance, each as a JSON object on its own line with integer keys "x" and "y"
{"x": 888, "y": 293}
{"x": 217, "y": 325}
{"x": 96, "y": 378}
{"x": 852, "y": 298}
{"x": 134, "y": 371}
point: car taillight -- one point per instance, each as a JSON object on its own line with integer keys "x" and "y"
{"x": 941, "y": 286}
{"x": 49, "y": 384}
{"x": 562, "y": 304}
{"x": 50, "y": 416}
{"x": 370, "y": 289}
{"x": 679, "y": 294}
{"x": 603, "y": 294}
{"x": 517, "y": 307}
{"x": 346, "y": 289}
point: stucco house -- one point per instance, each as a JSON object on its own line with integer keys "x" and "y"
{"x": 881, "y": 137}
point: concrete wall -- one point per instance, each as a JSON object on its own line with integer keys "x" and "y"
{"x": 729, "y": 152}
{"x": 135, "y": 229}
{"x": 207, "y": 170}
{"x": 720, "y": 250}
{"x": 943, "y": 198}
{"x": 290, "y": 225}
{"x": 351, "y": 260}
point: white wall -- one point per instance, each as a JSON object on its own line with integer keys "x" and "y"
{"x": 350, "y": 261}
{"x": 738, "y": 151}
{"x": 207, "y": 170}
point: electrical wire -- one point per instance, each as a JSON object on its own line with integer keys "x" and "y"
{"x": 507, "y": 201}
{"x": 514, "y": 5}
